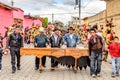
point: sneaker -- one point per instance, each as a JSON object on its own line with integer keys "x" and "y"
{"x": 13, "y": 71}
{"x": 93, "y": 75}
{"x": 113, "y": 75}
{"x": 0, "y": 71}
{"x": 98, "y": 75}
{"x": 36, "y": 68}
{"x": 117, "y": 74}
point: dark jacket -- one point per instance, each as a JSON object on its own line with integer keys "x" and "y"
{"x": 1, "y": 53}
{"x": 93, "y": 44}
{"x": 58, "y": 43}
{"x": 1, "y": 38}
{"x": 14, "y": 41}
{"x": 41, "y": 40}
{"x": 1, "y": 41}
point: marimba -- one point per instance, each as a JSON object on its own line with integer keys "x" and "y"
{"x": 56, "y": 52}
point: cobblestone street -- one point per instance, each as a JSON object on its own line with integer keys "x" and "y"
{"x": 27, "y": 72}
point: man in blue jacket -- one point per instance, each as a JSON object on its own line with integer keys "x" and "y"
{"x": 71, "y": 39}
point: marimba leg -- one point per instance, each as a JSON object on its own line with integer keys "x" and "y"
{"x": 40, "y": 65}
{"x": 75, "y": 66}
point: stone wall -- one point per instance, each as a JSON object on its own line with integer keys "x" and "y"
{"x": 112, "y": 11}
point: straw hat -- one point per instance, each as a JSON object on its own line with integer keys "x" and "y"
{"x": 41, "y": 29}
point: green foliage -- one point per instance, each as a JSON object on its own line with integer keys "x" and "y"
{"x": 45, "y": 22}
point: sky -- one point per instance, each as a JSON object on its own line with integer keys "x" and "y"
{"x": 63, "y": 10}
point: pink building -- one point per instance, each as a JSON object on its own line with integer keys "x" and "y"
{"x": 38, "y": 21}
{"x": 11, "y": 15}
{"x": 6, "y": 18}
{"x": 19, "y": 14}
{"x": 8, "y": 15}
{"x": 29, "y": 21}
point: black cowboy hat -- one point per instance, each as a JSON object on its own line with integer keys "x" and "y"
{"x": 56, "y": 28}
{"x": 71, "y": 28}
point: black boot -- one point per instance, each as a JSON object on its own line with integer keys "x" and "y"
{"x": 18, "y": 68}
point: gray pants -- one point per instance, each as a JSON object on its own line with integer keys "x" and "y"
{"x": 15, "y": 53}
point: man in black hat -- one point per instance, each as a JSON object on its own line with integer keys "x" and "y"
{"x": 55, "y": 41}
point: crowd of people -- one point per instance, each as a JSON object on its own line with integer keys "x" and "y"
{"x": 100, "y": 42}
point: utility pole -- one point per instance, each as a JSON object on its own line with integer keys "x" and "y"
{"x": 78, "y": 3}
{"x": 79, "y": 11}
{"x": 52, "y": 18}
{"x": 12, "y": 3}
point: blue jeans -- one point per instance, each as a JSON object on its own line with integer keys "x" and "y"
{"x": 0, "y": 64}
{"x": 115, "y": 65}
{"x": 96, "y": 61}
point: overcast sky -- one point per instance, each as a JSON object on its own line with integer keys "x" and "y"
{"x": 46, "y": 7}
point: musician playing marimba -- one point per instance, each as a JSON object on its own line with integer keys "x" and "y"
{"x": 55, "y": 41}
{"x": 70, "y": 40}
{"x": 41, "y": 41}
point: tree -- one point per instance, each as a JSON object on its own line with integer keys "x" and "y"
{"x": 45, "y": 22}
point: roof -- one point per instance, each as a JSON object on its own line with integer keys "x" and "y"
{"x": 6, "y": 6}
{"x": 31, "y": 17}
{"x": 19, "y": 9}
{"x": 28, "y": 16}
{"x": 85, "y": 18}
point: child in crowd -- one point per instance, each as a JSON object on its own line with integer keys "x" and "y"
{"x": 114, "y": 49}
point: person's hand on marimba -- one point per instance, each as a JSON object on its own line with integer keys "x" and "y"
{"x": 64, "y": 46}
{"x": 48, "y": 46}
{"x": 78, "y": 43}
{"x": 85, "y": 45}
{"x": 60, "y": 45}
{"x": 77, "y": 46}
{"x": 65, "y": 43}
{"x": 35, "y": 44}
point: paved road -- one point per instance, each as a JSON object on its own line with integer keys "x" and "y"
{"x": 27, "y": 72}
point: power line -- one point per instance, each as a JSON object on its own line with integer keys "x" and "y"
{"x": 67, "y": 13}
{"x": 87, "y": 4}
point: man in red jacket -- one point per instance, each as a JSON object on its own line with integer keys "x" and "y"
{"x": 114, "y": 49}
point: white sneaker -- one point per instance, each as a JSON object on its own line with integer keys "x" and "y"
{"x": 93, "y": 75}
{"x": 0, "y": 70}
{"x": 98, "y": 75}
